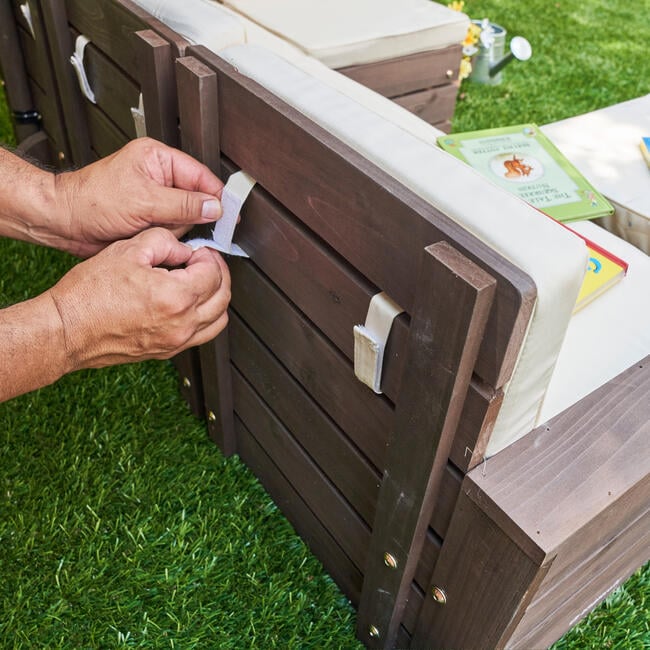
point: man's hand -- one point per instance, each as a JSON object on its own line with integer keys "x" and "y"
{"x": 144, "y": 184}
{"x": 130, "y": 302}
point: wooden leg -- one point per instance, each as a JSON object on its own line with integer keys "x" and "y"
{"x": 452, "y": 303}
{"x": 198, "y": 108}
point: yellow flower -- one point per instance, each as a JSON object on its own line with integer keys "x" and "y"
{"x": 465, "y": 69}
{"x": 457, "y": 5}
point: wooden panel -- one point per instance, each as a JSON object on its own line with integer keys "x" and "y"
{"x": 35, "y": 60}
{"x": 432, "y": 105}
{"x": 328, "y": 506}
{"x": 105, "y": 137}
{"x": 547, "y": 619}
{"x": 451, "y": 309}
{"x": 560, "y": 495}
{"x": 408, "y": 73}
{"x": 61, "y": 47}
{"x": 340, "y": 461}
{"x": 323, "y": 171}
{"x": 324, "y": 373}
{"x": 336, "y": 297}
{"x": 314, "y": 534}
{"x": 109, "y": 25}
{"x": 486, "y": 578}
{"x": 188, "y": 367}
{"x": 115, "y": 91}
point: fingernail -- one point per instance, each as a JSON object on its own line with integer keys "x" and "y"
{"x": 211, "y": 210}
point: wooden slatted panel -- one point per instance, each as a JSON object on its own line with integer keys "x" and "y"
{"x": 307, "y": 525}
{"x": 334, "y": 295}
{"x": 383, "y": 249}
{"x": 431, "y": 105}
{"x": 105, "y": 137}
{"x": 407, "y": 74}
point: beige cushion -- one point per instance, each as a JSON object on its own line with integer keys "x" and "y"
{"x": 604, "y": 146}
{"x": 342, "y": 33}
{"x": 606, "y": 336}
{"x": 506, "y": 223}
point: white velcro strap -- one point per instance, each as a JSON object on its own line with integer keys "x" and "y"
{"x": 235, "y": 192}
{"x": 370, "y": 340}
{"x": 139, "y": 119}
{"x": 77, "y": 60}
{"x": 26, "y": 11}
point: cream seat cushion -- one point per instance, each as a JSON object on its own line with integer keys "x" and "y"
{"x": 604, "y": 146}
{"x": 606, "y": 336}
{"x": 504, "y": 222}
{"x": 341, "y": 33}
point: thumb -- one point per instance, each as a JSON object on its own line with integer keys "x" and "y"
{"x": 176, "y": 206}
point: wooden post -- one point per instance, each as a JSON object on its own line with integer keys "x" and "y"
{"x": 14, "y": 73}
{"x": 452, "y": 303}
{"x": 198, "y": 109}
{"x": 158, "y": 86}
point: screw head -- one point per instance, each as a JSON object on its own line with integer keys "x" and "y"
{"x": 186, "y": 382}
{"x": 390, "y": 561}
{"x": 61, "y": 156}
{"x": 450, "y": 74}
{"x": 439, "y": 595}
{"x": 373, "y": 632}
{"x": 211, "y": 416}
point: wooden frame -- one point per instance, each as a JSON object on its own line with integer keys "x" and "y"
{"x": 390, "y": 491}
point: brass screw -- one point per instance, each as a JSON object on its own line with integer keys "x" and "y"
{"x": 61, "y": 156}
{"x": 187, "y": 383}
{"x": 439, "y": 595}
{"x": 450, "y": 74}
{"x": 211, "y": 416}
{"x": 390, "y": 560}
{"x": 373, "y": 632}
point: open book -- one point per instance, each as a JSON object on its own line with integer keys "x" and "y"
{"x": 522, "y": 160}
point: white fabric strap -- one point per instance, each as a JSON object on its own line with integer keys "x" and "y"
{"x": 235, "y": 192}
{"x": 77, "y": 60}
{"x": 26, "y": 11}
{"x": 370, "y": 340}
{"x": 139, "y": 119}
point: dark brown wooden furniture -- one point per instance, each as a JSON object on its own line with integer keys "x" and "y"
{"x": 434, "y": 546}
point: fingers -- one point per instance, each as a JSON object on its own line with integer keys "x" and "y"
{"x": 159, "y": 247}
{"x": 176, "y": 206}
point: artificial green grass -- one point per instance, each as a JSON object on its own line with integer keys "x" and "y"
{"x": 121, "y": 525}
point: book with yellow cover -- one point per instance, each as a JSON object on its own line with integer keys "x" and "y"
{"x": 603, "y": 270}
{"x": 523, "y": 160}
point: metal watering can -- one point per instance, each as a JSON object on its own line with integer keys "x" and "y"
{"x": 490, "y": 59}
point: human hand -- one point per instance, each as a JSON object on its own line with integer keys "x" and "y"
{"x": 122, "y": 306}
{"x": 144, "y": 184}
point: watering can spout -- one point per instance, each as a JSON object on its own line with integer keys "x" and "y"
{"x": 520, "y": 49}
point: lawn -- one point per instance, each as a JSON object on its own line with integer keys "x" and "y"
{"x": 121, "y": 525}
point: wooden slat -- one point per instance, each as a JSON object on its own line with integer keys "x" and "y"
{"x": 361, "y": 212}
{"x": 347, "y": 576}
{"x": 188, "y": 367}
{"x": 340, "y": 461}
{"x": 36, "y": 62}
{"x": 448, "y": 322}
{"x": 324, "y": 373}
{"x": 199, "y": 119}
{"x": 409, "y": 73}
{"x": 336, "y": 515}
{"x": 432, "y": 105}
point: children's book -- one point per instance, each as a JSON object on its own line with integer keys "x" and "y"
{"x": 524, "y": 161}
{"x": 604, "y": 269}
